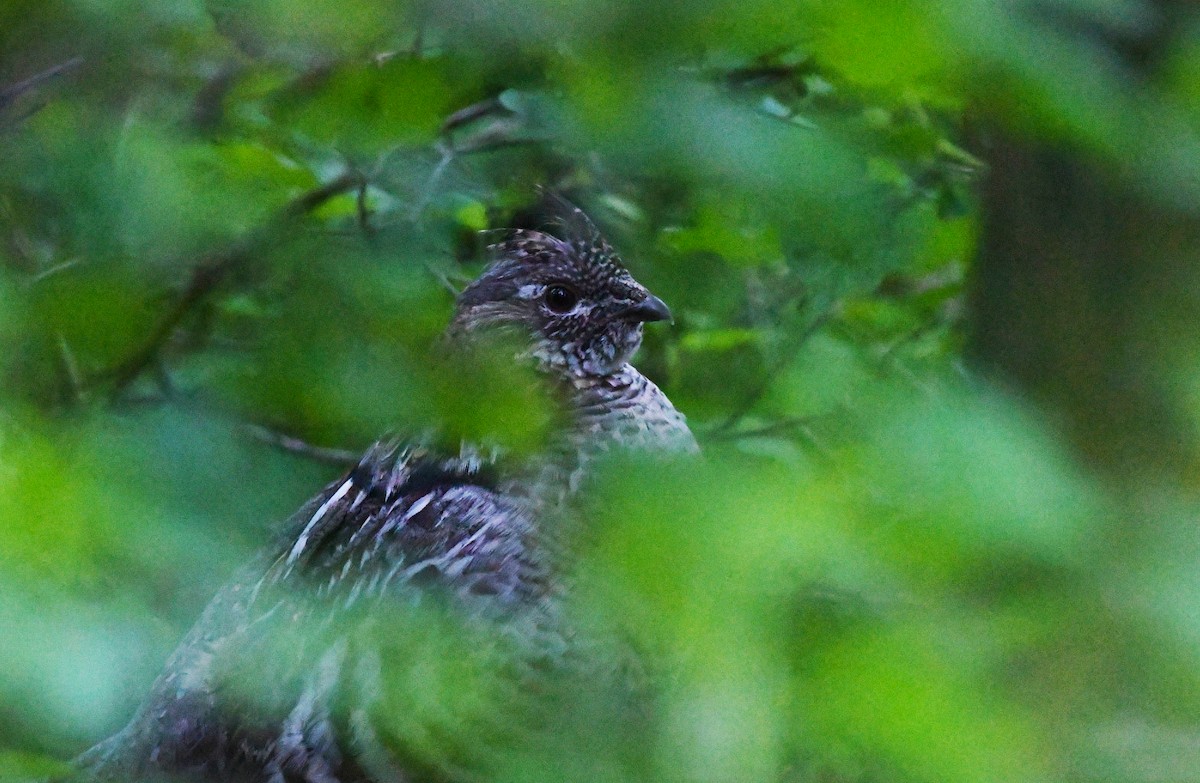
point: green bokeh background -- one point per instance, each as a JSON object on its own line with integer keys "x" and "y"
{"x": 933, "y": 266}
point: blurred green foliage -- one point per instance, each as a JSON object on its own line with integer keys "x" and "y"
{"x": 223, "y": 219}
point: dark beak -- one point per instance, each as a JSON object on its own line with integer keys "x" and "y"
{"x": 649, "y": 309}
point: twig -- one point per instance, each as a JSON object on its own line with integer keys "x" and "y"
{"x": 21, "y": 117}
{"x": 330, "y": 456}
{"x": 208, "y": 274}
{"x": 418, "y": 43}
{"x": 314, "y": 198}
{"x": 10, "y": 94}
{"x": 205, "y": 278}
{"x": 71, "y": 370}
{"x": 758, "y": 75}
{"x": 821, "y": 450}
{"x": 435, "y": 176}
{"x": 363, "y": 210}
{"x": 781, "y": 363}
{"x": 444, "y": 280}
{"x": 208, "y": 106}
{"x": 21, "y": 256}
{"x": 786, "y": 425}
{"x": 162, "y": 376}
{"x": 490, "y": 142}
{"x": 796, "y": 428}
{"x": 64, "y": 266}
{"x": 471, "y": 113}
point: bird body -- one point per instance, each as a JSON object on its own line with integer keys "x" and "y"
{"x": 484, "y": 536}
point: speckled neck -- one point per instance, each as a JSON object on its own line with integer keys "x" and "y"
{"x": 620, "y": 410}
{"x": 626, "y": 409}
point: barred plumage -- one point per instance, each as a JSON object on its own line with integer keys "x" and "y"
{"x": 480, "y": 535}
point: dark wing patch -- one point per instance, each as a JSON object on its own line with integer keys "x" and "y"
{"x": 426, "y": 475}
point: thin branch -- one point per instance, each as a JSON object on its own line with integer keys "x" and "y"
{"x": 211, "y": 272}
{"x": 782, "y": 361}
{"x": 789, "y": 425}
{"x": 71, "y": 370}
{"x": 815, "y": 444}
{"x": 363, "y": 209}
{"x": 760, "y": 75}
{"x": 798, "y": 429}
{"x": 64, "y": 266}
{"x": 16, "y": 121}
{"x": 162, "y": 377}
{"x": 490, "y": 142}
{"x": 208, "y": 107}
{"x": 10, "y": 94}
{"x": 418, "y": 43}
{"x": 205, "y": 278}
{"x": 314, "y": 198}
{"x": 444, "y": 280}
{"x": 435, "y": 176}
{"x": 216, "y": 411}
{"x": 471, "y": 113}
{"x": 330, "y": 456}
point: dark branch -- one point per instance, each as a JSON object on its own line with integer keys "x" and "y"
{"x": 330, "y": 456}
{"x": 211, "y": 272}
{"x": 362, "y": 209}
{"x": 779, "y": 365}
{"x": 473, "y": 112}
{"x": 314, "y": 198}
{"x": 10, "y": 94}
{"x": 786, "y": 426}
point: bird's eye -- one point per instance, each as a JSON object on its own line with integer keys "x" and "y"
{"x": 561, "y": 299}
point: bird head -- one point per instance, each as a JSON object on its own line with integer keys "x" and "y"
{"x": 573, "y": 297}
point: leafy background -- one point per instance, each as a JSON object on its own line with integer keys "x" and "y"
{"x": 933, "y": 270}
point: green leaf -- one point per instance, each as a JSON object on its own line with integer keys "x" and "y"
{"x": 472, "y": 215}
{"x": 18, "y": 767}
{"x": 368, "y": 108}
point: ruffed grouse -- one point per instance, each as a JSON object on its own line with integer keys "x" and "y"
{"x": 481, "y": 531}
